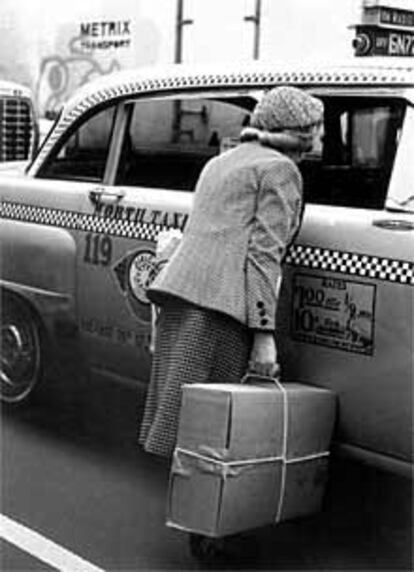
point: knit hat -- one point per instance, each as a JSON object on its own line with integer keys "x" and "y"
{"x": 286, "y": 107}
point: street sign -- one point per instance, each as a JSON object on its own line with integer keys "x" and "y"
{"x": 380, "y": 41}
{"x": 385, "y": 16}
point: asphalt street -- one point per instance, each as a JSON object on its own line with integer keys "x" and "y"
{"x": 72, "y": 471}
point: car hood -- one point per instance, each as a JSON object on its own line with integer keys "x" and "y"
{"x": 13, "y": 168}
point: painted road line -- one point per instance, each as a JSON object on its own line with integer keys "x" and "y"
{"x": 42, "y": 548}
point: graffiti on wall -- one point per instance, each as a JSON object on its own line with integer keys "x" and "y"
{"x": 60, "y": 75}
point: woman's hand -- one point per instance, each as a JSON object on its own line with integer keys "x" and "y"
{"x": 263, "y": 357}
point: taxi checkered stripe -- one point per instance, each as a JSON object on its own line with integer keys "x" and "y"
{"x": 375, "y": 267}
{"x": 79, "y": 221}
{"x": 119, "y": 227}
{"x": 378, "y": 268}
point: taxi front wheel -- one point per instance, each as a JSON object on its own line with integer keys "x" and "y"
{"x": 20, "y": 363}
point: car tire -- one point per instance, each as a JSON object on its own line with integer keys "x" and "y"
{"x": 21, "y": 351}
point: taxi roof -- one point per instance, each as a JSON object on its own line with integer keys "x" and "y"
{"x": 247, "y": 76}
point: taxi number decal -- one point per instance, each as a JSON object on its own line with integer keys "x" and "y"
{"x": 333, "y": 312}
{"x": 98, "y": 249}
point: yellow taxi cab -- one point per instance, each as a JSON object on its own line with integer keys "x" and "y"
{"x": 78, "y": 233}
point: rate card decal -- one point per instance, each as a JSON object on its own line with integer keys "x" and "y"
{"x": 333, "y": 312}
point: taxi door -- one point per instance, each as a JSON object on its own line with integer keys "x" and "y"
{"x": 114, "y": 227}
{"x": 115, "y": 267}
{"x": 160, "y": 145}
{"x": 346, "y": 312}
{"x": 74, "y": 191}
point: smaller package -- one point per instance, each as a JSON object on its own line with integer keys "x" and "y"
{"x": 249, "y": 455}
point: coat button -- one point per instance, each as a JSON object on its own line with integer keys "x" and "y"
{"x": 262, "y": 312}
{"x": 260, "y": 304}
{"x": 264, "y": 322}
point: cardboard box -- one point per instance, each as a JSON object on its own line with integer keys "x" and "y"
{"x": 249, "y": 455}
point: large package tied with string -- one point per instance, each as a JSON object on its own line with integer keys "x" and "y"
{"x": 249, "y": 455}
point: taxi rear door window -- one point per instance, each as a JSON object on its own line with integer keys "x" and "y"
{"x": 353, "y": 166}
{"x": 168, "y": 141}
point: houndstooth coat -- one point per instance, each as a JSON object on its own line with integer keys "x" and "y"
{"x": 247, "y": 208}
{"x": 221, "y": 282}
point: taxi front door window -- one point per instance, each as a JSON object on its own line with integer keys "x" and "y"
{"x": 83, "y": 154}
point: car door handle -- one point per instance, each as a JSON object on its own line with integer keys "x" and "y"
{"x": 105, "y": 196}
{"x": 394, "y": 224}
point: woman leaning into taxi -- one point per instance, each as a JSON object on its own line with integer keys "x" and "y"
{"x": 219, "y": 291}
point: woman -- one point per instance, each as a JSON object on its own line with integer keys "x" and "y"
{"x": 218, "y": 293}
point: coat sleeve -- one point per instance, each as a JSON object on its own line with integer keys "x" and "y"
{"x": 276, "y": 220}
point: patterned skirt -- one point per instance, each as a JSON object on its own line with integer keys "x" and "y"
{"x": 193, "y": 345}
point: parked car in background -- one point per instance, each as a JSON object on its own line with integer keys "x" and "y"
{"x": 78, "y": 234}
{"x": 18, "y": 123}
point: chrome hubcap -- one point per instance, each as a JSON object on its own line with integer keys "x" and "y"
{"x": 20, "y": 357}
{"x": 12, "y": 352}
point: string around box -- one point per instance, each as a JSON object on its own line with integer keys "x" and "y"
{"x": 283, "y": 457}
